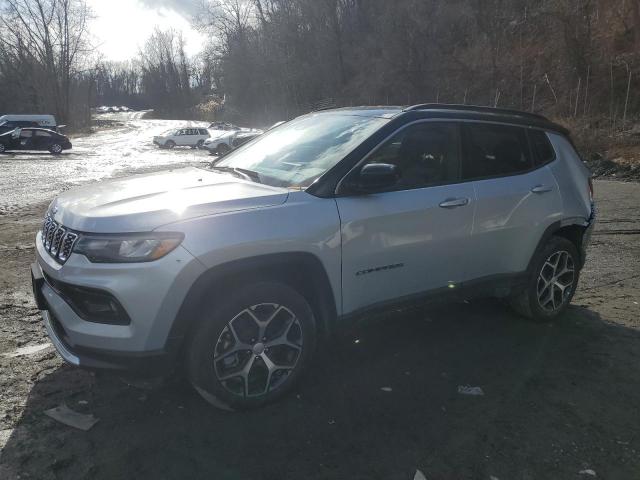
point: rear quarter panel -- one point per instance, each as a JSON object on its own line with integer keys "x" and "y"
{"x": 572, "y": 177}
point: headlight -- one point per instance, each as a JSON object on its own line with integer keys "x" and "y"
{"x": 126, "y": 248}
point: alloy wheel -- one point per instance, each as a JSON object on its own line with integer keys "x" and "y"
{"x": 555, "y": 281}
{"x": 2, "y": 147}
{"x": 55, "y": 148}
{"x": 258, "y": 350}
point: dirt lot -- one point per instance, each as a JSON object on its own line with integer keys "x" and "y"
{"x": 558, "y": 399}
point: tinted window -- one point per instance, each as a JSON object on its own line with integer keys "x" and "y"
{"x": 26, "y": 133}
{"x": 494, "y": 150}
{"x": 541, "y": 147}
{"x": 203, "y": 132}
{"x": 40, "y": 133}
{"x": 425, "y": 154}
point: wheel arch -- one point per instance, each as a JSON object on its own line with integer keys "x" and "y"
{"x": 301, "y": 271}
{"x": 572, "y": 229}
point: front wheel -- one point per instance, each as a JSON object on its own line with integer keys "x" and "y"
{"x": 170, "y": 144}
{"x": 552, "y": 282}
{"x": 223, "y": 149}
{"x": 251, "y": 346}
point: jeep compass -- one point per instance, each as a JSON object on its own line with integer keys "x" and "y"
{"x": 236, "y": 270}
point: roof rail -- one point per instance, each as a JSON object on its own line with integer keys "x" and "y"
{"x": 474, "y": 108}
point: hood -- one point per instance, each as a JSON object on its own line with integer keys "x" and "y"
{"x": 219, "y": 135}
{"x": 144, "y": 202}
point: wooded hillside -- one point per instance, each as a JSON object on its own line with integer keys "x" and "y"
{"x": 577, "y": 61}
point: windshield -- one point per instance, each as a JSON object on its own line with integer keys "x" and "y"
{"x": 297, "y": 153}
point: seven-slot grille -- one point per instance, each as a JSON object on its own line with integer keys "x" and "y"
{"x": 57, "y": 240}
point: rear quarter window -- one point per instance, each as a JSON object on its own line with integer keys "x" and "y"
{"x": 541, "y": 147}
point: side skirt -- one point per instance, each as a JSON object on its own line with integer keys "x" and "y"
{"x": 499, "y": 286}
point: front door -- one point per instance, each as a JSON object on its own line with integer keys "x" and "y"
{"x": 25, "y": 140}
{"x": 414, "y": 237}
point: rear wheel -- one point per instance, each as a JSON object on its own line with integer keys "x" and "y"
{"x": 55, "y": 148}
{"x": 223, "y": 149}
{"x": 199, "y": 144}
{"x": 2, "y": 148}
{"x": 169, "y": 144}
{"x": 552, "y": 282}
{"x": 250, "y": 348}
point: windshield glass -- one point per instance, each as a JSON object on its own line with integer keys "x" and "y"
{"x": 296, "y": 154}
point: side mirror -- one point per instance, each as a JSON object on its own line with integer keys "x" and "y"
{"x": 376, "y": 176}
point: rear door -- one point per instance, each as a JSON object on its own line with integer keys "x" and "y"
{"x": 414, "y": 237}
{"x": 516, "y": 200}
{"x": 42, "y": 140}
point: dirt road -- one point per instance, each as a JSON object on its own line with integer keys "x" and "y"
{"x": 558, "y": 399}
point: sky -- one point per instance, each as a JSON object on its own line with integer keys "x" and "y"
{"x": 121, "y": 27}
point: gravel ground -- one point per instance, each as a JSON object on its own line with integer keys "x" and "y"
{"x": 558, "y": 399}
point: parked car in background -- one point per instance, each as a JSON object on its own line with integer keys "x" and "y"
{"x": 220, "y": 143}
{"x": 241, "y": 138}
{"x": 182, "y": 137}
{"x": 11, "y": 122}
{"x": 34, "y": 139}
{"x": 317, "y": 223}
{"x": 223, "y": 126}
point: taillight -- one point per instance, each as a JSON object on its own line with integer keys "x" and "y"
{"x": 590, "y": 189}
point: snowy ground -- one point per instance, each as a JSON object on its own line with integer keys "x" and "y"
{"x": 29, "y": 178}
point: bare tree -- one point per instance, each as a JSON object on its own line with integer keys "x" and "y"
{"x": 50, "y": 36}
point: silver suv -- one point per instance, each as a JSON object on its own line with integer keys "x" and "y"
{"x": 238, "y": 269}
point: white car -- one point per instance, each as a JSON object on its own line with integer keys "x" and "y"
{"x": 182, "y": 137}
{"x": 220, "y": 143}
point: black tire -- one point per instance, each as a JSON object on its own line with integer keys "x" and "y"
{"x": 199, "y": 144}
{"x": 223, "y": 149}
{"x": 213, "y": 336}
{"x": 527, "y": 303}
{"x": 2, "y": 148}
{"x": 55, "y": 148}
{"x": 169, "y": 144}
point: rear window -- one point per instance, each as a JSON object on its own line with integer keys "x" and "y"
{"x": 494, "y": 151}
{"x": 541, "y": 147}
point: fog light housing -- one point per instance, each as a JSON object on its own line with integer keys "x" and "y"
{"x": 91, "y": 304}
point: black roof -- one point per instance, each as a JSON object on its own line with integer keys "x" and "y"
{"x": 453, "y": 111}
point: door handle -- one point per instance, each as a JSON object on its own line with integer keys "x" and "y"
{"x": 454, "y": 202}
{"x": 541, "y": 189}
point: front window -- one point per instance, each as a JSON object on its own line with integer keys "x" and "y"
{"x": 299, "y": 152}
{"x": 425, "y": 154}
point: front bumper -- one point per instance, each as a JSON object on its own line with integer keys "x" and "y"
{"x": 150, "y": 362}
{"x": 151, "y": 293}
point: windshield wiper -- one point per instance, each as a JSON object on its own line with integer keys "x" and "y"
{"x": 239, "y": 172}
